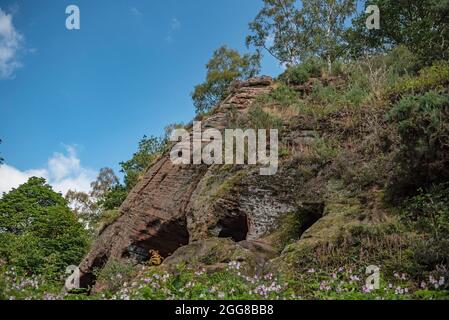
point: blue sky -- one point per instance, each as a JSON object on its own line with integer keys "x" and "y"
{"x": 72, "y": 102}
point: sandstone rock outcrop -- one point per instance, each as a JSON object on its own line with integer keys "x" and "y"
{"x": 174, "y": 205}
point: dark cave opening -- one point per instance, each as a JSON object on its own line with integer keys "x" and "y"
{"x": 163, "y": 237}
{"x": 310, "y": 214}
{"x": 234, "y": 226}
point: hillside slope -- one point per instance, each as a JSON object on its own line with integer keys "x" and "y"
{"x": 317, "y": 224}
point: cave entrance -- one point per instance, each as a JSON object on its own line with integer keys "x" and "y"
{"x": 310, "y": 213}
{"x": 163, "y": 237}
{"x": 233, "y": 226}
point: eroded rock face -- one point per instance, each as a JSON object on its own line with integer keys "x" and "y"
{"x": 163, "y": 212}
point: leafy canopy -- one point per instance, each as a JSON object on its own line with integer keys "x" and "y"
{"x": 422, "y": 26}
{"x": 150, "y": 148}
{"x": 293, "y": 31}
{"x": 225, "y": 66}
{"x": 38, "y": 232}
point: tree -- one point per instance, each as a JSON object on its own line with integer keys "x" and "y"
{"x": 279, "y": 28}
{"x": 115, "y": 197}
{"x": 225, "y": 66}
{"x": 86, "y": 208}
{"x": 293, "y": 31}
{"x": 89, "y": 206}
{"x": 421, "y": 26}
{"x": 326, "y": 20}
{"x": 150, "y": 148}
{"x": 106, "y": 180}
{"x": 38, "y": 232}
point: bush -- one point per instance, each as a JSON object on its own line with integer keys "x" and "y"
{"x": 401, "y": 61}
{"x": 432, "y": 77}
{"x": 300, "y": 74}
{"x": 260, "y": 119}
{"x": 422, "y": 123}
{"x": 114, "y": 197}
{"x": 429, "y": 211}
{"x": 114, "y": 275}
{"x": 355, "y": 96}
{"x": 283, "y": 95}
{"x": 323, "y": 94}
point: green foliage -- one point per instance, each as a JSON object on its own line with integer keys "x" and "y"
{"x": 150, "y": 148}
{"x": 421, "y": 26}
{"x": 197, "y": 284}
{"x": 299, "y": 30}
{"x": 323, "y": 150}
{"x": 282, "y": 95}
{"x": 429, "y": 211}
{"x": 301, "y": 73}
{"x": 115, "y": 197}
{"x": 106, "y": 191}
{"x": 429, "y": 78}
{"x": 423, "y": 125}
{"x": 114, "y": 274}
{"x": 14, "y": 286}
{"x": 225, "y": 66}
{"x": 355, "y": 96}
{"x": 260, "y": 119}
{"x": 283, "y": 24}
{"x": 290, "y": 226}
{"x": 401, "y": 61}
{"x": 323, "y": 94}
{"x": 348, "y": 282}
{"x": 39, "y": 234}
{"x": 106, "y": 180}
{"x": 107, "y": 218}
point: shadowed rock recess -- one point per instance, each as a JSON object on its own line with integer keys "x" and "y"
{"x": 194, "y": 206}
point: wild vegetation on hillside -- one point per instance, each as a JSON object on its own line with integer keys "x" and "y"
{"x": 372, "y": 181}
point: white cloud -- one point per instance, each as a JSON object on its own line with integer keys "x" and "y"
{"x": 10, "y": 45}
{"x": 175, "y": 25}
{"x": 63, "y": 172}
{"x": 135, "y": 11}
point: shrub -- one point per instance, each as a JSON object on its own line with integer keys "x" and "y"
{"x": 355, "y": 96}
{"x": 107, "y": 218}
{"x": 114, "y": 275}
{"x": 401, "y": 61}
{"x": 429, "y": 211}
{"x": 114, "y": 197}
{"x": 422, "y": 123}
{"x": 284, "y": 96}
{"x": 323, "y": 94}
{"x": 429, "y": 78}
{"x": 260, "y": 119}
{"x": 301, "y": 73}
